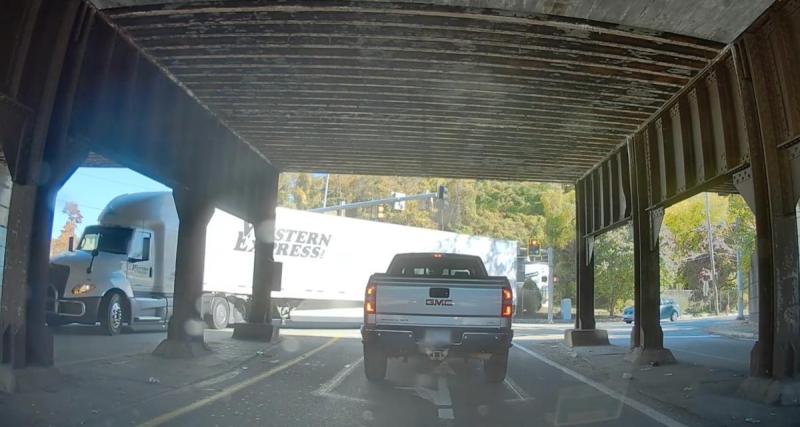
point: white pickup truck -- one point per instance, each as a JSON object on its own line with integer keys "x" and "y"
{"x": 437, "y": 305}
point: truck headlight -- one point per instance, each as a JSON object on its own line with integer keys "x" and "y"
{"x": 82, "y": 289}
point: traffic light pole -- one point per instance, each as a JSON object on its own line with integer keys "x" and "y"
{"x": 371, "y": 203}
{"x": 551, "y": 273}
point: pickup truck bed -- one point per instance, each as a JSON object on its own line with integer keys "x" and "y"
{"x": 460, "y": 315}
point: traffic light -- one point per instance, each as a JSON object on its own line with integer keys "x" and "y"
{"x": 533, "y": 247}
{"x": 398, "y": 206}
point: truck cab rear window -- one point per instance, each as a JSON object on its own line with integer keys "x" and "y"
{"x": 454, "y": 267}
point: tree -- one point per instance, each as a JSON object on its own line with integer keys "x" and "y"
{"x": 74, "y": 217}
{"x": 614, "y": 269}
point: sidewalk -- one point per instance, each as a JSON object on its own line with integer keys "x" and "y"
{"x": 735, "y": 328}
{"x": 696, "y": 395}
{"x": 105, "y": 392}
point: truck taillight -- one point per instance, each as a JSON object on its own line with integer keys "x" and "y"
{"x": 370, "y": 299}
{"x": 507, "y": 308}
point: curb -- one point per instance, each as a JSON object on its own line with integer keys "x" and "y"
{"x": 732, "y": 334}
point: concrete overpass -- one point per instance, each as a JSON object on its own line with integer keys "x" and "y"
{"x": 641, "y": 104}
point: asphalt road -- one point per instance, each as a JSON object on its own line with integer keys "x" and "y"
{"x": 688, "y": 339}
{"x": 320, "y": 381}
{"x": 324, "y": 384}
{"x": 690, "y": 342}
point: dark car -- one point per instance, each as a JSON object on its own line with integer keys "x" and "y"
{"x": 669, "y": 310}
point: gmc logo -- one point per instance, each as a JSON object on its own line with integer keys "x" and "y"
{"x": 444, "y": 302}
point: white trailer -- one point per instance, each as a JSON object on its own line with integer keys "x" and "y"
{"x": 124, "y": 267}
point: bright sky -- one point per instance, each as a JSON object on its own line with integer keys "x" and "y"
{"x": 93, "y": 188}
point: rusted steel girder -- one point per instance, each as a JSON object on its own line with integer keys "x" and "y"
{"x": 767, "y": 60}
{"x": 647, "y": 336}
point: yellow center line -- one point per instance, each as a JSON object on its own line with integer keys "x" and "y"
{"x": 163, "y": 418}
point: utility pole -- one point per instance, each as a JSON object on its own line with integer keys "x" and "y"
{"x": 550, "y": 297}
{"x": 442, "y": 194}
{"x": 739, "y": 286}
{"x": 711, "y": 254}
{"x": 325, "y": 195}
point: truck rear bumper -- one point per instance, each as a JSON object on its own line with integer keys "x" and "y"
{"x": 407, "y": 342}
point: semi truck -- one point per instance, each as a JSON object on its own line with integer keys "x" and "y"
{"x": 122, "y": 271}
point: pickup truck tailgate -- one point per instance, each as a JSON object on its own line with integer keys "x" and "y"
{"x": 435, "y": 302}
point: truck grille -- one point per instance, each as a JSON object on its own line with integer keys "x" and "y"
{"x": 58, "y": 275}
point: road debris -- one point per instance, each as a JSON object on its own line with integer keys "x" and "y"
{"x": 627, "y": 376}
{"x": 153, "y": 380}
{"x": 750, "y": 420}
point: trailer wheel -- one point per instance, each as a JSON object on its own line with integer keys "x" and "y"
{"x": 496, "y": 367}
{"x": 112, "y": 313}
{"x": 220, "y": 314}
{"x": 375, "y": 361}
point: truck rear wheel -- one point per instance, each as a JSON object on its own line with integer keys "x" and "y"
{"x": 496, "y": 367}
{"x": 375, "y": 362}
{"x": 220, "y": 314}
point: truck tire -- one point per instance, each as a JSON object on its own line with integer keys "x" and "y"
{"x": 496, "y": 367}
{"x": 112, "y": 314}
{"x": 220, "y": 314}
{"x": 375, "y": 362}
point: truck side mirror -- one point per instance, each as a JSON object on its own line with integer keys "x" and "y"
{"x": 71, "y": 244}
{"x": 146, "y": 249}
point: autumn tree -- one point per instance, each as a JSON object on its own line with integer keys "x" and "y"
{"x": 74, "y": 218}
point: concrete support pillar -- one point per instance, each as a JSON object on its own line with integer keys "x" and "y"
{"x": 39, "y": 345}
{"x": 185, "y": 330}
{"x": 646, "y": 333}
{"x": 584, "y": 333}
{"x": 266, "y": 272}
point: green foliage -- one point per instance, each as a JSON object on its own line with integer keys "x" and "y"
{"x": 614, "y": 269}
{"x": 503, "y": 210}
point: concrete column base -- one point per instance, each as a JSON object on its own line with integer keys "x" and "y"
{"x": 585, "y": 337}
{"x": 256, "y": 331}
{"x": 661, "y": 356}
{"x": 32, "y": 378}
{"x": 771, "y": 391}
{"x": 8, "y": 379}
{"x": 181, "y": 349}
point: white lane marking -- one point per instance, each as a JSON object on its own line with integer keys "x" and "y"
{"x": 442, "y": 399}
{"x": 446, "y": 414}
{"x": 669, "y": 337}
{"x": 441, "y": 396}
{"x": 641, "y": 407}
{"x": 522, "y": 396}
{"x": 327, "y": 389}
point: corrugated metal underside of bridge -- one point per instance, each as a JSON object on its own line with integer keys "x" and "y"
{"x": 420, "y": 90}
